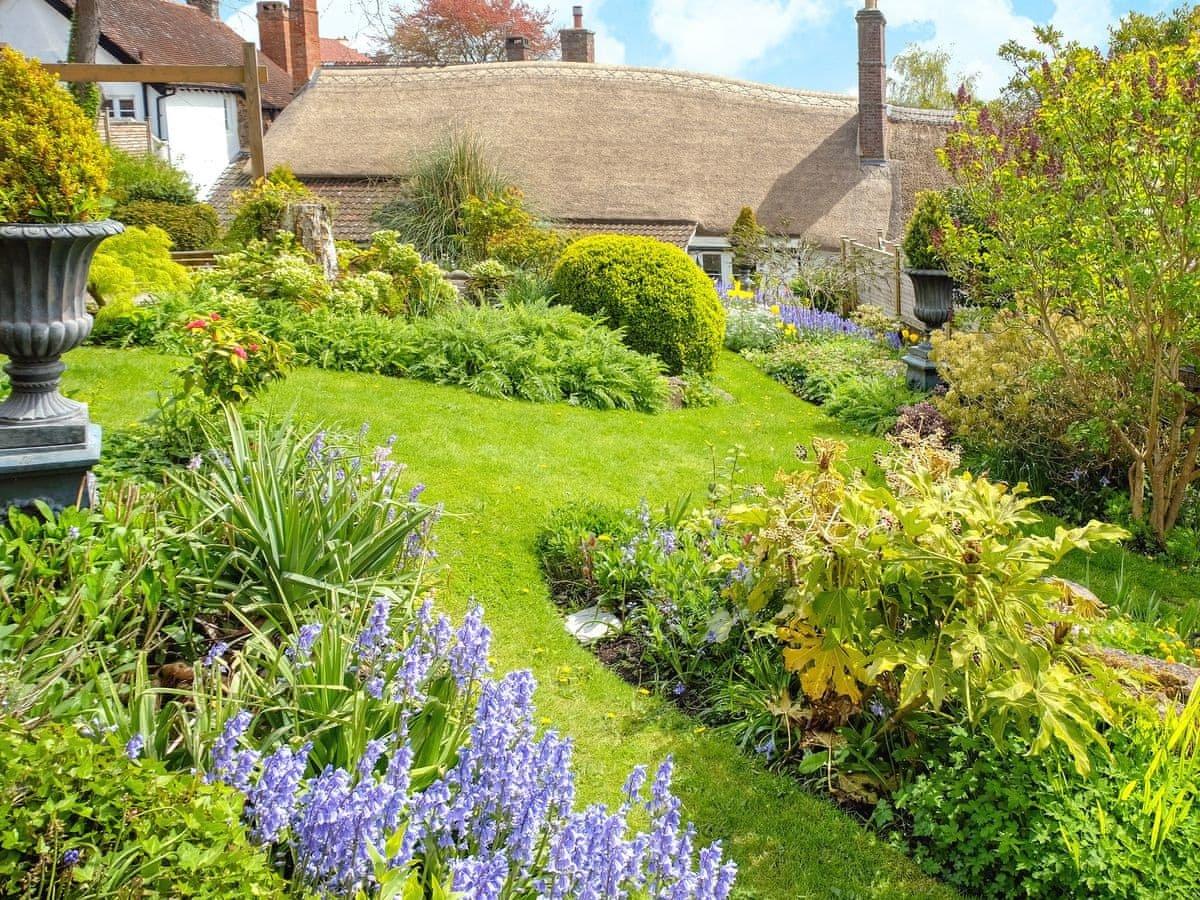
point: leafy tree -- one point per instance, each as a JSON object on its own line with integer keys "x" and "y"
{"x": 923, "y": 79}
{"x": 447, "y": 32}
{"x": 1088, "y": 180}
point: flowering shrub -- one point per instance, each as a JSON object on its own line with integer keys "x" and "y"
{"x": 230, "y": 363}
{"x": 53, "y": 167}
{"x": 418, "y": 288}
{"x": 272, "y": 271}
{"x": 258, "y": 211}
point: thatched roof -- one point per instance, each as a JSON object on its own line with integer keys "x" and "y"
{"x": 606, "y": 142}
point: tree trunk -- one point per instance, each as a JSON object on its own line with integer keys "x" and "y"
{"x": 311, "y": 224}
{"x": 81, "y": 48}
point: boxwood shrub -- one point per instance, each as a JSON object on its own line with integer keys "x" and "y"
{"x": 192, "y": 226}
{"x": 663, "y": 302}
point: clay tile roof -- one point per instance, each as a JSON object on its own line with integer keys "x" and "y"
{"x": 354, "y": 200}
{"x": 337, "y": 52}
{"x": 678, "y": 233}
{"x": 159, "y": 32}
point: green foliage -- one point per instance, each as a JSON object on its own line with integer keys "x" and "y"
{"x": 924, "y": 81}
{"x": 53, "y": 167}
{"x": 870, "y": 404}
{"x": 293, "y": 529}
{"x": 417, "y": 288}
{"x": 230, "y": 363}
{"x": 995, "y": 821}
{"x": 816, "y": 366}
{"x": 191, "y": 226}
{"x": 138, "y": 830}
{"x": 258, "y": 212}
{"x": 747, "y": 238}
{"x": 481, "y": 219}
{"x": 138, "y": 261}
{"x": 652, "y": 291}
{"x": 1014, "y": 413}
{"x": 534, "y": 353}
{"x": 925, "y": 234}
{"x": 488, "y": 279}
{"x": 274, "y": 271}
{"x": 1085, "y": 230}
{"x": 437, "y": 185}
{"x": 924, "y": 596}
{"x": 530, "y": 248}
{"x": 144, "y": 176}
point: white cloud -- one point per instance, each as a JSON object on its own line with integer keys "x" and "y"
{"x": 974, "y": 31}
{"x": 1086, "y": 21}
{"x": 725, "y": 37}
{"x": 609, "y": 48}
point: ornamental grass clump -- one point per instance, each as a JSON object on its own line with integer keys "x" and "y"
{"x": 53, "y": 167}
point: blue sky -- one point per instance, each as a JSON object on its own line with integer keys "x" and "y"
{"x": 798, "y": 43}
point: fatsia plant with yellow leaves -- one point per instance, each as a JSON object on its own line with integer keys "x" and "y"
{"x": 928, "y": 593}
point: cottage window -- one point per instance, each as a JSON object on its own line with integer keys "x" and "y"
{"x": 120, "y": 108}
{"x": 711, "y": 264}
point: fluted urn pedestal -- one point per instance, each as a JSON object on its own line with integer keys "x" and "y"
{"x": 934, "y": 301}
{"x": 47, "y": 443}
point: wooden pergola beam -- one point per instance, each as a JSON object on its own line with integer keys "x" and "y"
{"x": 250, "y": 76}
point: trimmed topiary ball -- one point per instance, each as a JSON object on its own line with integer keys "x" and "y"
{"x": 661, "y": 300}
{"x": 53, "y": 166}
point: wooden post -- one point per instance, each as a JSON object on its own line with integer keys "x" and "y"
{"x": 254, "y": 118}
{"x": 897, "y": 275}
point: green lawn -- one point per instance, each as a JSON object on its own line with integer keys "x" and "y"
{"x": 500, "y": 467}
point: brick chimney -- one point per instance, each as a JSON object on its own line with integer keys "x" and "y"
{"x": 578, "y": 44}
{"x": 305, "y": 41}
{"x": 516, "y": 48}
{"x": 211, "y": 8}
{"x": 872, "y": 83}
{"x": 274, "y": 33}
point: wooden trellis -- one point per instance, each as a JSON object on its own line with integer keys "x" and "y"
{"x": 250, "y": 75}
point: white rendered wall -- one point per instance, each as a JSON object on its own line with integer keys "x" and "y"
{"x": 202, "y": 133}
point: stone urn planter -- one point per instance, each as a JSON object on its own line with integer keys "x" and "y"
{"x": 47, "y": 443}
{"x": 934, "y": 290}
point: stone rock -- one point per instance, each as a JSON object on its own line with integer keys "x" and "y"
{"x": 592, "y": 624}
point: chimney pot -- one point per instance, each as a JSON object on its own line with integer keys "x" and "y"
{"x": 211, "y": 8}
{"x": 872, "y": 4}
{"x": 516, "y": 48}
{"x": 578, "y": 44}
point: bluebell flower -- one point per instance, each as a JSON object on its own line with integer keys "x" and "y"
{"x": 73, "y": 532}
{"x": 134, "y": 746}
{"x": 299, "y": 651}
{"x": 71, "y": 857}
{"x": 213, "y": 658}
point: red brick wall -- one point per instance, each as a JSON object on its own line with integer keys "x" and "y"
{"x": 872, "y": 85}
{"x": 306, "y": 40}
{"x": 578, "y": 45}
{"x": 274, "y": 33}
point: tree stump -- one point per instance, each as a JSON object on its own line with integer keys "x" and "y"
{"x": 313, "y": 228}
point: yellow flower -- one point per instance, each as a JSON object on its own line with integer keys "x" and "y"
{"x": 644, "y": 692}
{"x": 775, "y": 308}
